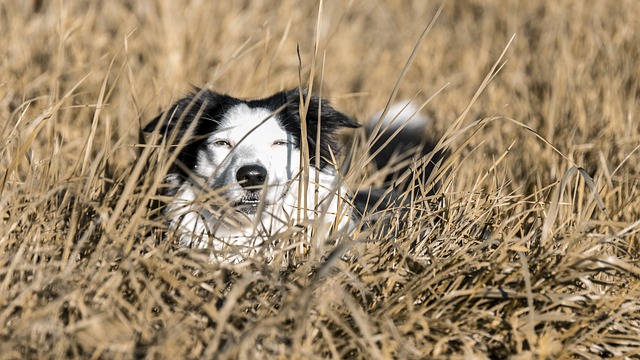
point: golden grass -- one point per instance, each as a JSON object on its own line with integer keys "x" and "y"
{"x": 519, "y": 261}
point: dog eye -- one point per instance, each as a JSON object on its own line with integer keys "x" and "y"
{"x": 220, "y": 142}
{"x": 280, "y": 142}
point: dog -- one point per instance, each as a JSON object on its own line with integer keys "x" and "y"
{"x": 242, "y": 171}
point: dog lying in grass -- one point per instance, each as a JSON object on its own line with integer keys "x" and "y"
{"x": 243, "y": 171}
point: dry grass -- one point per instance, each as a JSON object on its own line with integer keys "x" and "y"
{"x": 521, "y": 263}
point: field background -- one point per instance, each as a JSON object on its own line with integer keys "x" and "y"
{"x": 521, "y": 263}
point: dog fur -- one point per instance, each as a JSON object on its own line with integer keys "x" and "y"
{"x": 242, "y": 172}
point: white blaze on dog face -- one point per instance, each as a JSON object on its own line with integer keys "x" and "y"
{"x": 249, "y": 138}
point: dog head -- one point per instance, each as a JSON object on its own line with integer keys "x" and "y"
{"x": 247, "y": 150}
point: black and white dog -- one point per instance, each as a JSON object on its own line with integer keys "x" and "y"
{"x": 242, "y": 171}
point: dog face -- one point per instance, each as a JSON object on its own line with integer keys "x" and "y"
{"x": 249, "y": 157}
{"x": 246, "y": 153}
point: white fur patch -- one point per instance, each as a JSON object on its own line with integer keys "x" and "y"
{"x": 400, "y": 113}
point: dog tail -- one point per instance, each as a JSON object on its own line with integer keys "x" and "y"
{"x": 405, "y": 155}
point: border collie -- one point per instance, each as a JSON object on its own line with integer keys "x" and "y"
{"x": 240, "y": 170}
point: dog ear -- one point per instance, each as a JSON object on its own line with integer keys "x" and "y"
{"x": 320, "y": 115}
{"x": 174, "y": 122}
{"x": 319, "y": 112}
{"x": 201, "y": 107}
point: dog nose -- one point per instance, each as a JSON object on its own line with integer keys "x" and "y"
{"x": 251, "y": 175}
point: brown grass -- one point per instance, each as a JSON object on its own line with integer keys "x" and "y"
{"x": 522, "y": 263}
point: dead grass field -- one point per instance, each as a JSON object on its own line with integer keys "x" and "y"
{"x": 523, "y": 262}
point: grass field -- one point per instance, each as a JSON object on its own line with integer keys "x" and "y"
{"x": 532, "y": 252}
